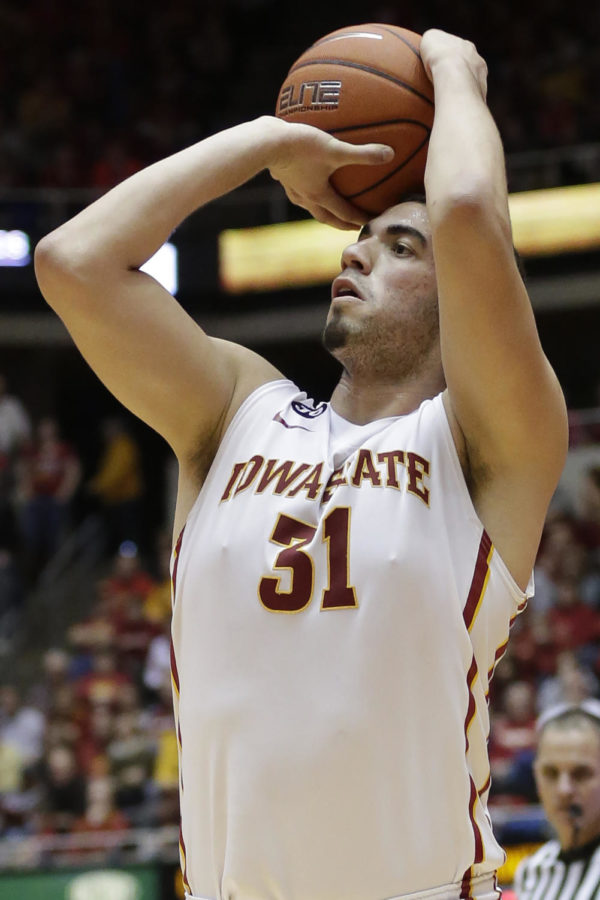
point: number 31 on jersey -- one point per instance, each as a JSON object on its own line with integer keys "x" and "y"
{"x": 294, "y": 535}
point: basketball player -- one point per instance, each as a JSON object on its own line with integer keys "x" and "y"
{"x": 348, "y": 571}
{"x": 567, "y": 774}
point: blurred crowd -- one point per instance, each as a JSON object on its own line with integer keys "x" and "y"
{"x": 43, "y": 489}
{"x": 554, "y": 653}
{"x": 91, "y": 746}
{"x": 87, "y": 741}
{"x": 91, "y": 92}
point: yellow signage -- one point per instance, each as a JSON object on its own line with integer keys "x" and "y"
{"x": 304, "y": 253}
{"x": 514, "y": 855}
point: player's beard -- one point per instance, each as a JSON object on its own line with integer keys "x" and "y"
{"x": 337, "y": 333}
{"x": 375, "y": 347}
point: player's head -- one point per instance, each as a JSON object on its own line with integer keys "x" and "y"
{"x": 567, "y": 771}
{"x": 384, "y": 310}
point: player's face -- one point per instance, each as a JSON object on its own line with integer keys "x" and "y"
{"x": 384, "y": 301}
{"x": 567, "y": 772}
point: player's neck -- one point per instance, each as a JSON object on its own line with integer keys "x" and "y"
{"x": 362, "y": 400}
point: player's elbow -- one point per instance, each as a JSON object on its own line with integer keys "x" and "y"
{"x": 48, "y": 264}
{"x": 59, "y": 265}
{"x": 472, "y": 209}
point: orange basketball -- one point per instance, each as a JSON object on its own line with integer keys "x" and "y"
{"x": 364, "y": 84}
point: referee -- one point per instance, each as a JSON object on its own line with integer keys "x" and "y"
{"x": 567, "y": 774}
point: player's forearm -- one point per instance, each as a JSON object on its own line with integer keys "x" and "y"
{"x": 465, "y": 162}
{"x": 128, "y": 224}
{"x": 486, "y": 321}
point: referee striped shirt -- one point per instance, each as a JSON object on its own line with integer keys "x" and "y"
{"x": 552, "y": 874}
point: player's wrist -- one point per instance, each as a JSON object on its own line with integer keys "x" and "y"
{"x": 456, "y": 80}
{"x": 273, "y": 140}
{"x": 448, "y": 66}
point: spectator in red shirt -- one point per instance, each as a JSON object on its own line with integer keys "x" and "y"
{"x": 127, "y": 579}
{"x": 50, "y": 473}
{"x": 134, "y": 634}
{"x": 573, "y": 624}
{"x": 513, "y": 737}
{"x": 532, "y": 647}
{"x": 102, "y": 685}
{"x": 97, "y": 734}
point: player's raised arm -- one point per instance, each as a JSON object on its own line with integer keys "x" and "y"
{"x": 135, "y": 336}
{"x": 503, "y": 393}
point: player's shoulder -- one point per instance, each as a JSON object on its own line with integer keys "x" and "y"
{"x": 249, "y": 368}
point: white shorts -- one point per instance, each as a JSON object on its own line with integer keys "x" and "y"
{"x": 482, "y": 888}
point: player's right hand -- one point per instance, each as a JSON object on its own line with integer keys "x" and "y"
{"x": 305, "y": 157}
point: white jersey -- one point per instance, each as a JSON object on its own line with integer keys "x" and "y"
{"x": 338, "y": 612}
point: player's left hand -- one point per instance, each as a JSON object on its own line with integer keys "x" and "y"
{"x": 438, "y": 47}
{"x": 306, "y": 157}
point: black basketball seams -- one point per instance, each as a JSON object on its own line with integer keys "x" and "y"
{"x": 385, "y": 178}
{"x": 401, "y": 37}
{"x": 380, "y": 124}
{"x": 364, "y": 68}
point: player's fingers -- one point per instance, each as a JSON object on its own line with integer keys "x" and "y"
{"x": 329, "y": 206}
{"x": 361, "y": 154}
{"x": 324, "y": 215}
{"x": 342, "y": 208}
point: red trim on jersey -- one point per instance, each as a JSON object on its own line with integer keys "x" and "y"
{"x": 479, "y": 581}
{"x": 465, "y": 888}
{"x": 176, "y": 558}
{"x": 474, "y": 797}
{"x": 471, "y": 710}
{"x": 175, "y": 678}
{"x": 474, "y": 599}
{"x": 174, "y": 672}
{"x": 488, "y": 781}
{"x": 471, "y": 609}
{"x": 497, "y": 657}
{"x": 502, "y": 648}
{"x": 176, "y": 551}
{"x": 476, "y": 831}
{"x": 471, "y": 706}
{"x": 183, "y": 855}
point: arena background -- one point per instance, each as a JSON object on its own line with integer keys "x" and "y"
{"x": 90, "y": 93}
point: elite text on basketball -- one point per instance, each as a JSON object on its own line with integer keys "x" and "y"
{"x": 309, "y": 95}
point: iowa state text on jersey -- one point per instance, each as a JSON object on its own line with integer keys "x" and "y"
{"x": 398, "y": 469}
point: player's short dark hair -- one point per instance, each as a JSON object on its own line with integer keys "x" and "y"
{"x": 413, "y": 197}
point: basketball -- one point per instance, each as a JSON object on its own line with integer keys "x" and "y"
{"x": 364, "y": 84}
